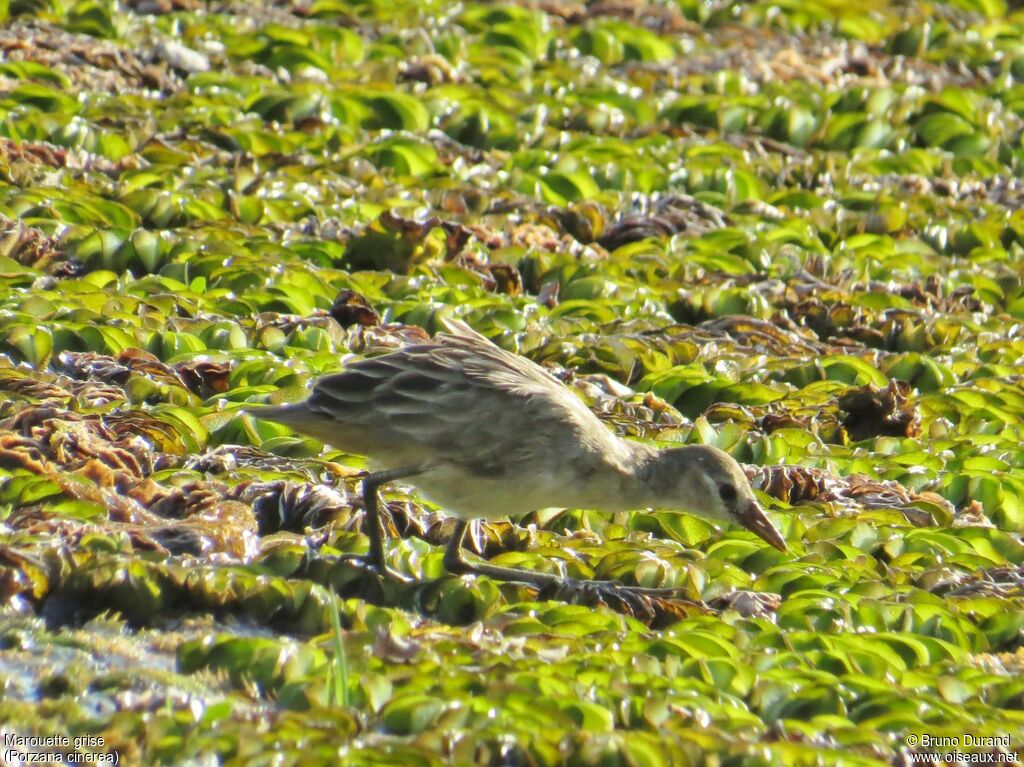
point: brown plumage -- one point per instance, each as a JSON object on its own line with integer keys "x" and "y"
{"x": 485, "y": 433}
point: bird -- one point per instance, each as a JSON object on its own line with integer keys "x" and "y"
{"x": 488, "y": 434}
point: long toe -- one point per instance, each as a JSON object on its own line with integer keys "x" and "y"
{"x": 629, "y": 601}
{"x": 749, "y": 604}
{"x": 613, "y": 595}
{"x": 361, "y": 562}
{"x": 396, "y": 576}
{"x": 659, "y": 607}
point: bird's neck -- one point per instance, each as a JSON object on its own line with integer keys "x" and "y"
{"x": 618, "y": 483}
{"x": 641, "y": 481}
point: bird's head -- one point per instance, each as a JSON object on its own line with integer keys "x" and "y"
{"x": 708, "y": 482}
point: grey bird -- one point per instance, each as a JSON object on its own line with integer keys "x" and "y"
{"x": 487, "y": 434}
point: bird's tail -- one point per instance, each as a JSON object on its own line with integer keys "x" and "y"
{"x": 460, "y": 329}
{"x": 296, "y": 412}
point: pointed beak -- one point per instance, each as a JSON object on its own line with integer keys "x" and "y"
{"x": 753, "y": 518}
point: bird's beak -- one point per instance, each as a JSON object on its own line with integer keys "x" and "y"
{"x": 753, "y": 518}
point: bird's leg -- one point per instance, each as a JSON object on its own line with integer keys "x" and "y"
{"x": 456, "y": 564}
{"x": 453, "y": 561}
{"x": 608, "y": 592}
{"x": 374, "y": 525}
{"x": 374, "y": 528}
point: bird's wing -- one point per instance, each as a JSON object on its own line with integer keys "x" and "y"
{"x": 461, "y": 400}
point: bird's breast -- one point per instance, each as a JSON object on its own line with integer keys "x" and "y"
{"x": 470, "y": 494}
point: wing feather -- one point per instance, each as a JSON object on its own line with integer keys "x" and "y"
{"x": 460, "y": 400}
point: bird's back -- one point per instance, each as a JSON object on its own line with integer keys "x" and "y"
{"x": 461, "y": 401}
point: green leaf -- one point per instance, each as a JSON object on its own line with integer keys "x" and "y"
{"x": 411, "y": 713}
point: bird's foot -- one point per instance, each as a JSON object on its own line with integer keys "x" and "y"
{"x": 749, "y": 604}
{"x": 368, "y": 564}
{"x": 643, "y": 603}
{"x": 649, "y": 605}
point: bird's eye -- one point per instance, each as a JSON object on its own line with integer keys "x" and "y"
{"x": 727, "y": 493}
